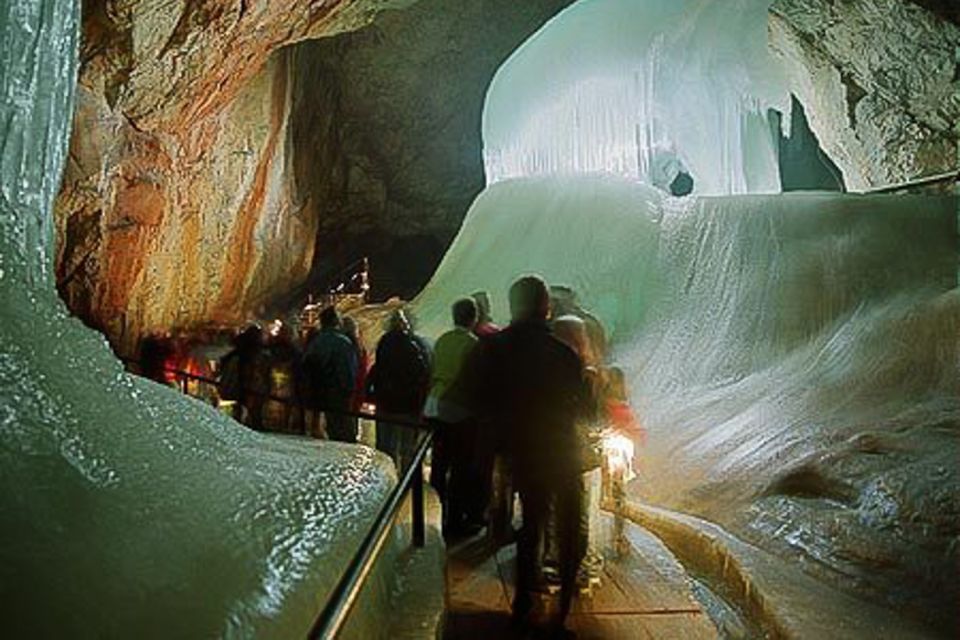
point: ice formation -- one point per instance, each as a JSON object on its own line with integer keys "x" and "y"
{"x": 127, "y": 509}
{"x": 616, "y": 86}
{"x": 762, "y": 334}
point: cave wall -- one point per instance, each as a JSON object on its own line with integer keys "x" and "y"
{"x": 390, "y": 125}
{"x": 224, "y": 154}
{"x": 176, "y": 206}
{"x": 880, "y": 82}
{"x": 214, "y": 144}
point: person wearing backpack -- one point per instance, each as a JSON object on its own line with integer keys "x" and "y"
{"x": 330, "y": 369}
{"x": 398, "y": 384}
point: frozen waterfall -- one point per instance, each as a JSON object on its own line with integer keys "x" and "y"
{"x": 639, "y": 89}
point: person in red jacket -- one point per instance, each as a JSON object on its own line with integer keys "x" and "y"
{"x": 351, "y": 329}
{"x": 485, "y": 326}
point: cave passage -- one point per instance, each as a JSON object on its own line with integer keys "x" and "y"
{"x": 790, "y": 358}
{"x": 762, "y": 333}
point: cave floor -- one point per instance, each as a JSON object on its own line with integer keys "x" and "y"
{"x": 644, "y": 594}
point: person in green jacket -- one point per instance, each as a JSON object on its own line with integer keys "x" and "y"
{"x": 452, "y": 467}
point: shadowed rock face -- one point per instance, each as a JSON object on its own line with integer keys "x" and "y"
{"x": 207, "y": 158}
{"x": 176, "y": 188}
{"x": 388, "y": 131}
{"x": 880, "y": 81}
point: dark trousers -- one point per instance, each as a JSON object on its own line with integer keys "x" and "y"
{"x": 397, "y": 441}
{"x": 340, "y": 427}
{"x": 455, "y": 474}
{"x": 497, "y": 475}
{"x": 536, "y": 497}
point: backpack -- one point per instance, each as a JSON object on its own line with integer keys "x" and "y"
{"x": 231, "y": 386}
{"x": 403, "y": 370}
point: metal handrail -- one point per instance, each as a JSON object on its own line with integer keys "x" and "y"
{"x": 403, "y": 420}
{"x": 919, "y": 182}
{"x": 345, "y": 594}
{"x": 347, "y": 591}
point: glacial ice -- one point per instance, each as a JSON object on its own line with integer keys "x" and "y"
{"x": 610, "y": 86}
{"x": 761, "y": 336}
{"x": 795, "y": 358}
{"x": 127, "y": 509}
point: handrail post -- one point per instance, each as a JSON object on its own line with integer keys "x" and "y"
{"x": 419, "y": 520}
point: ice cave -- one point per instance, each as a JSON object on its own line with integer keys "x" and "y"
{"x": 487, "y": 319}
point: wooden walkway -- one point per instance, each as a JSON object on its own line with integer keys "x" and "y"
{"x": 645, "y": 594}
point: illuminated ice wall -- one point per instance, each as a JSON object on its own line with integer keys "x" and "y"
{"x": 640, "y": 89}
{"x": 806, "y": 336}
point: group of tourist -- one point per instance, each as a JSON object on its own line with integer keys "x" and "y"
{"x": 517, "y": 411}
{"x": 521, "y": 411}
{"x": 273, "y": 384}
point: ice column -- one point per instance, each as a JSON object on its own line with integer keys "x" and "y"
{"x": 38, "y": 65}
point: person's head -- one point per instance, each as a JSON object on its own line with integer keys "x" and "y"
{"x": 529, "y": 299}
{"x": 330, "y": 318}
{"x": 616, "y": 384}
{"x": 465, "y": 313}
{"x": 250, "y": 337}
{"x": 563, "y": 300}
{"x": 572, "y": 331}
{"x": 482, "y": 300}
{"x": 282, "y": 333}
{"x": 398, "y": 321}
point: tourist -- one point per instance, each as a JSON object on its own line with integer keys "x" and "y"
{"x": 330, "y": 369}
{"x": 564, "y": 301}
{"x": 617, "y": 409}
{"x": 282, "y": 411}
{"x": 572, "y": 331}
{"x": 156, "y": 353}
{"x": 485, "y": 325}
{"x": 493, "y": 468}
{"x": 452, "y": 467}
{"x": 351, "y": 329}
{"x": 398, "y": 383}
{"x": 244, "y": 377}
{"x": 532, "y": 387}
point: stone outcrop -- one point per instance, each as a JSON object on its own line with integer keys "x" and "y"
{"x": 880, "y": 82}
{"x": 175, "y": 207}
{"x": 210, "y": 161}
{"x": 391, "y": 117}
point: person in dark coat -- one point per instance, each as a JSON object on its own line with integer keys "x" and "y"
{"x": 330, "y": 370}
{"x": 398, "y": 384}
{"x": 245, "y": 376}
{"x": 531, "y": 389}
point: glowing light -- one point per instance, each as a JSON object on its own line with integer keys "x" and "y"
{"x": 275, "y": 327}
{"x": 618, "y": 453}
